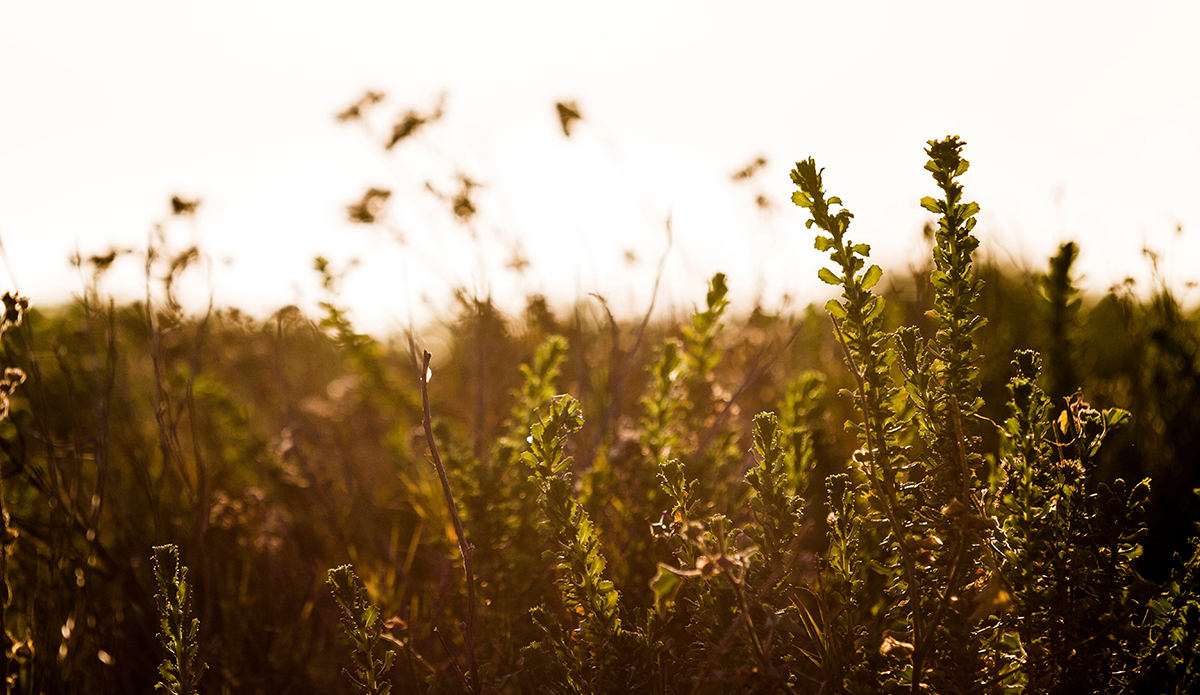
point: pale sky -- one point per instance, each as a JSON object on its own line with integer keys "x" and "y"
{"x": 1081, "y": 120}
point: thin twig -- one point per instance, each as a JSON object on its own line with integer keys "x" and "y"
{"x": 943, "y": 604}
{"x": 449, "y": 654}
{"x": 722, "y": 647}
{"x": 481, "y": 380}
{"x": 465, "y": 548}
{"x": 959, "y": 434}
{"x": 768, "y": 668}
{"x": 758, "y": 370}
{"x": 168, "y": 435}
{"x": 202, "y": 481}
{"x": 618, "y": 384}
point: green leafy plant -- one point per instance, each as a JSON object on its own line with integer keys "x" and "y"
{"x": 1078, "y": 601}
{"x": 947, "y": 567}
{"x": 181, "y": 668}
{"x": 980, "y": 555}
{"x": 364, "y": 627}
{"x": 585, "y": 592}
{"x": 777, "y": 512}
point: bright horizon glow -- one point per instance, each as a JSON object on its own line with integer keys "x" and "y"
{"x": 1081, "y": 124}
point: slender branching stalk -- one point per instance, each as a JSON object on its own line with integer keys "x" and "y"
{"x": 464, "y": 547}
{"x": 618, "y": 381}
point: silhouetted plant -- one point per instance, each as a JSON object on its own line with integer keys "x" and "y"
{"x": 1062, "y": 307}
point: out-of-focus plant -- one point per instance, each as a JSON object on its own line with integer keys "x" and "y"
{"x": 11, "y": 649}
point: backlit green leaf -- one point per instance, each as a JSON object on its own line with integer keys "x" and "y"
{"x": 871, "y": 277}
{"x": 666, "y": 584}
{"x": 835, "y": 308}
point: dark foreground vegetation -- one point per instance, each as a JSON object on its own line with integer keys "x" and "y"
{"x": 223, "y": 504}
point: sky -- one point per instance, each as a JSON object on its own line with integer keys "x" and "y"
{"x": 1081, "y": 122}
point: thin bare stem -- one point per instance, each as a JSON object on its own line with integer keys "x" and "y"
{"x": 618, "y": 384}
{"x": 449, "y": 654}
{"x": 465, "y": 548}
{"x": 756, "y": 371}
{"x": 763, "y": 657}
{"x": 202, "y": 479}
{"x": 716, "y": 654}
{"x": 168, "y": 435}
{"x": 757, "y": 644}
{"x": 960, "y": 448}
